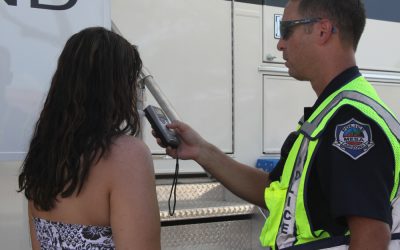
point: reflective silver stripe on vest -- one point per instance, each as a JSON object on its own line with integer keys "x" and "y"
{"x": 394, "y": 126}
{"x": 286, "y": 235}
{"x": 301, "y": 121}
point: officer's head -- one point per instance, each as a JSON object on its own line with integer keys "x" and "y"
{"x": 347, "y": 16}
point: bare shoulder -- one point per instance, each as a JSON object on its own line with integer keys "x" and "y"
{"x": 129, "y": 148}
{"x": 125, "y": 145}
{"x": 128, "y": 157}
{"x": 134, "y": 213}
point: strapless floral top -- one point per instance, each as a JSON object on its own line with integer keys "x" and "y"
{"x": 60, "y": 236}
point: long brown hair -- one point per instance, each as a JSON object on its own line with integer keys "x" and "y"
{"x": 92, "y": 99}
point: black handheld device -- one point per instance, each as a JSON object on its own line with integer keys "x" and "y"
{"x": 158, "y": 120}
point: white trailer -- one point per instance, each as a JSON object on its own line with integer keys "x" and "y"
{"x": 215, "y": 60}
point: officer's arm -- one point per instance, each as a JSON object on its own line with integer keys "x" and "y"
{"x": 246, "y": 182}
{"x": 368, "y": 233}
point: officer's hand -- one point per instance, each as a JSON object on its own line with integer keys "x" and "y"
{"x": 190, "y": 142}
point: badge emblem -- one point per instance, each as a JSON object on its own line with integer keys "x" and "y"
{"x": 353, "y": 138}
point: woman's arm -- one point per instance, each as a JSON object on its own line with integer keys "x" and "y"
{"x": 34, "y": 242}
{"x": 135, "y": 216}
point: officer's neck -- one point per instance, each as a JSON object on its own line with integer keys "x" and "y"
{"x": 331, "y": 65}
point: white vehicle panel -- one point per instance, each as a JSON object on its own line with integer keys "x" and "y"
{"x": 186, "y": 45}
{"x": 30, "y": 44}
{"x": 379, "y": 45}
{"x": 284, "y": 102}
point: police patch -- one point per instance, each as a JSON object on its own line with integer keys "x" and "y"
{"x": 353, "y": 138}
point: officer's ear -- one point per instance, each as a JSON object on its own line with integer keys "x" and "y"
{"x": 326, "y": 30}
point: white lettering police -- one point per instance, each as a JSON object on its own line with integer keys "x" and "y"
{"x": 290, "y": 206}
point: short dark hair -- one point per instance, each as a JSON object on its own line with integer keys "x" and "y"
{"x": 347, "y": 15}
{"x": 92, "y": 99}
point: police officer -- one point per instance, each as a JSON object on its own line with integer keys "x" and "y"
{"x": 336, "y": 183}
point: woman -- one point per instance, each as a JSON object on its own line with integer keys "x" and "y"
{"x": 90, "y": 183}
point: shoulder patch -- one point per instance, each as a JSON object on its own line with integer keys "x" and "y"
{"x": 353, "y": 138}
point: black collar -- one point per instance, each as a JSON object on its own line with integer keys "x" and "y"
{"x": 339, "y": 81}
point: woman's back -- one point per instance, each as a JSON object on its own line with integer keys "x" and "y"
{"x": 119, "y": 192}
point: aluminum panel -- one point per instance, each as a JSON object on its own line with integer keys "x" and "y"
{"x": 208, "y": 236}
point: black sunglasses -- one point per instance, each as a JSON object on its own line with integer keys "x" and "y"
{"x": 286, "y": 27}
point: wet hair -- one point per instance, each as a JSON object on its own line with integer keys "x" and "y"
{"x": 348, "y": 16}
{"x": 92, "y": 99}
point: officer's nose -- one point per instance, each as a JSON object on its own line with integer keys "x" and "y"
{"x": 281, "y": 44}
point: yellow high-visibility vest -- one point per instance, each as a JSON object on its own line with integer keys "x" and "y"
{"x": 288, "y": 224}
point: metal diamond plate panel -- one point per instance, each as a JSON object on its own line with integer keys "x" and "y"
{"x": 228, "y": 235}
{"x": 203, "y": 191}
{"x": 204, "y": 209}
